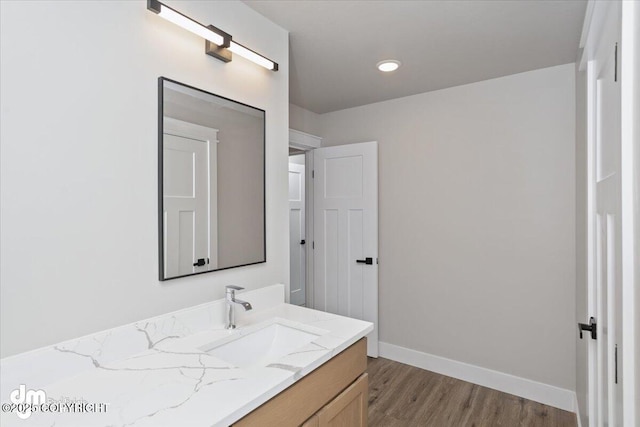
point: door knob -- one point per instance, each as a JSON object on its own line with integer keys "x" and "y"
{"x": 368, "y": 261}
{"x": 302, "y": 242}
{"x": 591, "y": 327}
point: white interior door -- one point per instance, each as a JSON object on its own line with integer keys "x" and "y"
{"x": 346, "y": 233}
{"x": 608, "y": 238}
{"x": 189, "y": 198}
{"x": 297, "y": 243}
{"x": 606, "y": 367}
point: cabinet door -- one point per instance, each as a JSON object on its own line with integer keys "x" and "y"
{"x": 349, "y": 408}
{"x": 312, "y": 422}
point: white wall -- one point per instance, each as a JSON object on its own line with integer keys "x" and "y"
{"x": 304, "y": 120}
{"x": 79, "y": 152}
{"x": 582, "y": 314}
{"x": 477, "y": 220}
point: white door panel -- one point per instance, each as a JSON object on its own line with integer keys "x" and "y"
{"x": 345, "y": 231}
{"x": 185, "y": 203}
{"x": 297, "y": 243}
{"x": 610, "y": 48}
{"x": 606, "y": 351}
{"x": 190, "y": 198}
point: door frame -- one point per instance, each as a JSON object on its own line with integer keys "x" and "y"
{"x": 307, "y": 143}
{"x": 630, "y": 218}
{"x": 605, "y": 25}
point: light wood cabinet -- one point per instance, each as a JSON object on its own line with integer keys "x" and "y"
{"x": 349, "y": 409}
{"x": 312, "y": 422}
{"x": 334, "y": 395}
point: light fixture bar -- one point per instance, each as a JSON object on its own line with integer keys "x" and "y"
{"x": 253, "y": 56}
{"x": 218, "y": 43}
{"x": 185, "y": 22}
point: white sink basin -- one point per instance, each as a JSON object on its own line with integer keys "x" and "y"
{"x": 260, "y": 347}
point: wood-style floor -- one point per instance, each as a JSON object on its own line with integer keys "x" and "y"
{"x": 403, "y": 396}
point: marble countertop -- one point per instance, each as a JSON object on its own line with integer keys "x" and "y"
{"x": 173, "y": 382}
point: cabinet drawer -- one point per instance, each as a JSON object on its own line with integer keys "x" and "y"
{"x": 297, "y": 403}
{"x": 349, "y": 409}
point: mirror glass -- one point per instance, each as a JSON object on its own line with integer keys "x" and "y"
{"x": 211, "y": 182}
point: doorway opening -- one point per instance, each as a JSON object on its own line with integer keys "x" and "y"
{"x": 333, "y": 220}
{"x": 301, "y": 146}
{"x": 297, "y": 228}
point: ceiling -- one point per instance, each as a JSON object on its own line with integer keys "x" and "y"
{"x": 335, "y": 45}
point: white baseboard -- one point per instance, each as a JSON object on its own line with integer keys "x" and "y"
{"x": 532, "y": 390}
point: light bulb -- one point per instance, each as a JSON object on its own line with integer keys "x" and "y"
{"x": 251, "y": 55}
{"x": 190, "y": 25}
{"x": 388, "y": 65}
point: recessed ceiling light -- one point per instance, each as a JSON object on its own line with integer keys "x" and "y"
{"x": 388, "y": 65}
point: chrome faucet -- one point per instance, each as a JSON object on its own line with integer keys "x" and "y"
{"x": 230, "y": 296}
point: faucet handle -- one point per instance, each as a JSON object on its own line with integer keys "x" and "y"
{"x": 233, "y": 288}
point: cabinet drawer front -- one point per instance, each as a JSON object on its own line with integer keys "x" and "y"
{"x": 297, "y": 403}
{"x": 349, "y": 409}
{"x": 312, "y": 422}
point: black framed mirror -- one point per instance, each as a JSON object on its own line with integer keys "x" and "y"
{"x": 211, "y": 181}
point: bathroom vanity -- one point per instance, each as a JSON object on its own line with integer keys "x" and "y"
{"x": 334, "y": 394}
{"x": 283, "y": 365}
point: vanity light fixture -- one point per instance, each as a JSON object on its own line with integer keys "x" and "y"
{"x": 218, "y": 44}
{"x": 388, "y": 65}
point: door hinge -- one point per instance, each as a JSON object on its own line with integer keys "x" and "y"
{"x": 615, "y": 67}
{"x": 616, "y": 362}
{"x": 313, "y": 174}
{"x": 313, "y": 245}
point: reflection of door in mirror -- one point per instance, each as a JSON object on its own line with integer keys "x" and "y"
{"x": 190, "y": 198}
{"x": 211, "y": 181}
